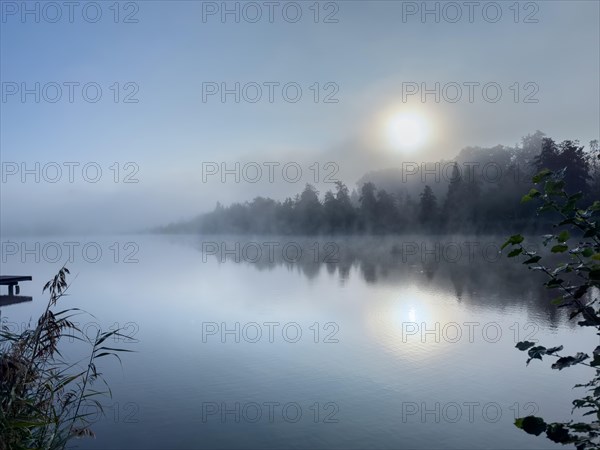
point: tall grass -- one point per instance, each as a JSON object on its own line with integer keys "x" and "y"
{"x": 43, "y": 397}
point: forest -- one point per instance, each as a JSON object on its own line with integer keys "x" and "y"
{"x": 478, "y": 192}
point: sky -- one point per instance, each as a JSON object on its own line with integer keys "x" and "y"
{"x": 138, "y": 146}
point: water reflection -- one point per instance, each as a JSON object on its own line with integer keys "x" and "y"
{"x": 7, "y": 300}
{"x": 472, "y": 269}
{"x": 375, "y": 291}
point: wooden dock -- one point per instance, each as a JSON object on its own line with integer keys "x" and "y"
{"x": 6, "y": 300}
{"x": 12, "y": 281}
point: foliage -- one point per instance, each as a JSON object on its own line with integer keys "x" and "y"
{"x": 42, "y": 396}
{"x": 576, "y": 276}
{"x": 567, "y": 154}
{"x": 478, "y": 191}
{"x": 462, "y": 199}
{"x": 428, "y": 207}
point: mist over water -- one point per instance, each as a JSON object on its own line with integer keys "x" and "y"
{"x": 299, "y": 225}
{"x": 304, "y": 347}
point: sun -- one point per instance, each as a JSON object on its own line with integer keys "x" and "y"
{"x": 407, "y": 131}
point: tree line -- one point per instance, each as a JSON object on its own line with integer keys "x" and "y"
{"x": 473, "y": 201}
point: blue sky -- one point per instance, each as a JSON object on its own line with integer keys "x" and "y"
{"x": 170, "y": 131}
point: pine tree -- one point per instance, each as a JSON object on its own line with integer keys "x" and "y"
{"x": 428, "y": 207}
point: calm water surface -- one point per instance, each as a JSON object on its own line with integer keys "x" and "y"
{"x": 363, "y": 343}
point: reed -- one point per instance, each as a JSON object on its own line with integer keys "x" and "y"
{"x": 43, "y": 396}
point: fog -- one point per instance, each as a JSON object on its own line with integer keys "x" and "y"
{"x": 172, "y": 125}
{"x": 299, "y": 224}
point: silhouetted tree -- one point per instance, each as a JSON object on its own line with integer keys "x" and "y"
{"x": 387, "y": 215}
{"x": 330, "y": 210}
{"x": 483, "y": 196}
{"x": 368, "y": 207}
{"x": 454, "y": 207}
{"x": 428, "y": 207}
{"x": 548, "y": 157}
{"x": 594, "y": 169}
{"x": 309, "y": 211}
{"x": 285, "y": 216}
{"x": 574, "y": 159}
{"x": 567, "y": 155}
{"x": 531, "y": 146}
{"x": 346, "y": 212}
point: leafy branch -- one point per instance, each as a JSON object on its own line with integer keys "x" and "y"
{"x": 577, "y": 277}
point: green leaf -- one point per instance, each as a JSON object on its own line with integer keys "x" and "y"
{"x": 556, "y": 432}
{"x": 560, "y": 248}
{"x": 532, "y": 260}
{"x": 547, "y": 238}
{"x": 554, "y": 350}
{"x": 533, "y": 193}
{"x": 581, "y": 427}
{"x": 562, "y": 268}
{"x": 553, "y": 187}
{"x": 554, "y": 282}
{"x": 531, "y": 425}
{"x": 515, "y": 252}
{"x": 563, "y": 236}
{"x": 568, "y": 361}
{"x": 541, "y": 175}
{"x": 595, "y": 363}
{"x": 513, "y": 240}
{"x": 524, "y": 345}
{"x": 536, "y": 353}
{"x": 581, "y": 290}
{"x": 587, "y": 252}
{"x": 566, "y": 222}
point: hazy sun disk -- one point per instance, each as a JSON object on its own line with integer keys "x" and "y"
{"x": 406, "y": 131}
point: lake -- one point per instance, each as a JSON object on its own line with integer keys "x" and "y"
{"x": 284, "y": 342}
